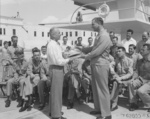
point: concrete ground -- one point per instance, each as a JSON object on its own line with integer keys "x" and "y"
{"x": 78, "y": 112}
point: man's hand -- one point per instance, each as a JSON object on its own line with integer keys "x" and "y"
{"x": 83, "y": 56}
{"x": 118, "y": 79}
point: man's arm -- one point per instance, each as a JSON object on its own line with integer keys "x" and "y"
{"x": 129, "y": 72}
{"x": 101, "y": 46}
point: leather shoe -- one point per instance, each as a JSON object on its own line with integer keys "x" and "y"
{"x": 61, "y": 114}
{"x": 20, "y": 104}
{"x": 133, "y": 107}
{"x": 41, "y": 107}
{"x": 114, "y": 108}
{"x": 7, "y": 103}
{"x": 70, "y": 105}
{"x": 107, "y": 117}
{"x": 59, "y": 118}
{"x": 148, "y": 110}
{"x": 95, "y": 112}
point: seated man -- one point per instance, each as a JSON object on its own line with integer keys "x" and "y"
{"x": 133, "y": 55}
{"x": 86, "y": 77}
{"x": 20, "y": 68}
{"x": 140, "y": 84}
{"x": 122, "y": 73}
{"x": 74, "y": 75}
{"x": 38, "y": 75}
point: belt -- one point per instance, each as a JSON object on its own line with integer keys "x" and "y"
{"x": 56, "y": 67}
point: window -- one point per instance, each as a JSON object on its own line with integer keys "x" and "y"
{"x": 91, "y": 34}
{"x": 0, "y": 31}
{"x": 62, "y": 33}
{"x": 76, "y": 33}
{"x": 35, "y": 33}
{"x": 84, "y": 33}
{"x": 42, "y": 34}
{"x": 70, "y": 34}
{"x": 47, "y": 34}
{"x": 72, "y": 42}
{"x": 14, "y": 32}
{"x": 0, "y": 42}
{"x": 66, "y": 33}
{"x": 4, "y": 31}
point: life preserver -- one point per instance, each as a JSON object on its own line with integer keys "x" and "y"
{"x": 103, "y": 10}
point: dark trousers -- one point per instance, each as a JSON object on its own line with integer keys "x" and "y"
{"x": 42, "y": 85}
{"x": 56, "y": 90}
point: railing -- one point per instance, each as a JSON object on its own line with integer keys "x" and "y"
{"x": 95, "y": 12}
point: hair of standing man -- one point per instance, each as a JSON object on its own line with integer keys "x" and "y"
{"x": 51, "y": 32}
{"x": 130, "y": 30}
{"x": 13, "y": 37}
{"x": 98, "y": 20}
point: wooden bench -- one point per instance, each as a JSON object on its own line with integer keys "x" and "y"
{"x": 2, "y": 85}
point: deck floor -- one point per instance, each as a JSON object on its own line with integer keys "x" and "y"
{"x": 79, "y": 111}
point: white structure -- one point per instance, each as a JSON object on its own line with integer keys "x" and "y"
{"x": 124, "y": 15}
{"x": 35, "y": 36}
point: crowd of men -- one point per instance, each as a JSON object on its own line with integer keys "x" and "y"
{"x": 103, "y": 62}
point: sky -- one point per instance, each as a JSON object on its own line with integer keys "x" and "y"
{"x": 38, "y": 11}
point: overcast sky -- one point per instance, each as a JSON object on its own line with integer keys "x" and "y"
{"x": 38, "y": 11}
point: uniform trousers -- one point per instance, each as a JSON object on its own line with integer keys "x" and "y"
{"x": 100, "y": 88}
{"x": 12, "y": 81}
{"x": 142, "y": 89}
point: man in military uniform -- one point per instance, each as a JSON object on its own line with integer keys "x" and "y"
{"x": 141, "y": 80}
{"x": 38, "y": 73}
{"x": 123, "y": 71}
{"x": 133, "y": 55}
{"x": 20, "y": 68}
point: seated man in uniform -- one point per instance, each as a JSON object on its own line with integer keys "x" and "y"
{"x": 74, "y": 77}
{"x": 140, "y": 84}
{"x": 38, "y": 73}
{"x": 86, "y": 77}
{"x": 123, "y": 71}
{"x": 20, "y": 68}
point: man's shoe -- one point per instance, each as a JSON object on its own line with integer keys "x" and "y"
{"x": 95, "y": 112}
{"x": 20, "y": 104}
{"x": 107, "y": 117}
{"x": 24, "y": 107}
{"x": 7, "y": 103}
{"x": 133, "y": 107}
{"x": 114, "y": 108}
{"x": 41, "y": 107}
{"x": 59, "y": 118}
{"x": 61, "y": 114}
{"x": 70, "y": 105}
{"x": 148, "y": 110}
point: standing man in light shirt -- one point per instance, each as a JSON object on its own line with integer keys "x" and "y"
{"x": 99, "y": 57}
{"x": 129, "y": 40}
{"x": 56, "y": 64}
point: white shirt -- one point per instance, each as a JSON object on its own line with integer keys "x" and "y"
{"x": 43, "y": 56}
{"x": 54, "y": 54}
{"x": 126, "y": 43}
{"x": 64, "y": 46}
